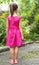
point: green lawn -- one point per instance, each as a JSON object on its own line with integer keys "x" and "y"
{"x": 30, "y": 55}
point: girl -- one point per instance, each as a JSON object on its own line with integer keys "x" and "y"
{"x": 14, "y": 33}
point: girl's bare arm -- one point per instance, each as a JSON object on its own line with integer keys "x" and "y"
{"x": 20, "y": 26}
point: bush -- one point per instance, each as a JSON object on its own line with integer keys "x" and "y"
{"x": 2, "y": 30}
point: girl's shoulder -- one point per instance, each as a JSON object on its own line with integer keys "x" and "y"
{"x": 8, "y": 16}
{"x": 18, "y": 17}
{"x": 14, "y": 17}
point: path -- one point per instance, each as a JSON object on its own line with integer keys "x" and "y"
{"x": 4, "y": 57}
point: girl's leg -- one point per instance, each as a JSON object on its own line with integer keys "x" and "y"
{"x": 12, "y": 53}
{"x": 16, "y": 54}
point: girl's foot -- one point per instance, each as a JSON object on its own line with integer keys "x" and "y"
{"x": 11, "y": 61}
{"x": 16, "y": 61}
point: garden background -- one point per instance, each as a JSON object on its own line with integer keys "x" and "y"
{"x": 29, "y": 10}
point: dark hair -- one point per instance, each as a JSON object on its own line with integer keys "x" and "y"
{"x": 13, "y": 7}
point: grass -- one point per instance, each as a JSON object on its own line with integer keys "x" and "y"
{"x": 2, "y": 47}
{"x": 30, "y": 55}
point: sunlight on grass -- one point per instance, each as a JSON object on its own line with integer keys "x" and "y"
{"x": 30, "y": 55}
{"x": 2, "y": 47}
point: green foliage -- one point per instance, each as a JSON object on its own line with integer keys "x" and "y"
{"x": 1, "y": 1}
{"x": 30, "y": 11}
{"x": 2, "y": 30}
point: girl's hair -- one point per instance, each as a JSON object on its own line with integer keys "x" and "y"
{"x": 13, "y": 7}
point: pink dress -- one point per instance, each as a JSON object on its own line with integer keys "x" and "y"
{"x": 14, "y": 37}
